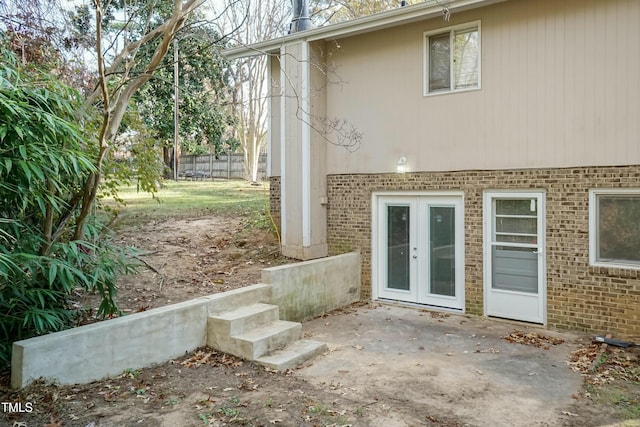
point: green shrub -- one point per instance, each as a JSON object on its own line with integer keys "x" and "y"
{"x": 43, "y": 166}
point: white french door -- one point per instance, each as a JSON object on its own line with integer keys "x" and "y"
{"x": 419, "y": 249}
{"x": 514, "y": 255}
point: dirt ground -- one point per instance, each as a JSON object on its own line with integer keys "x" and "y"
{"x": 189, "y": 258}
{"x": 184, "y": 259}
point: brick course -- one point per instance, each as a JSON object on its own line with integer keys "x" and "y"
{"x": 274, "y": 201}
{"x": 579, "y": 296}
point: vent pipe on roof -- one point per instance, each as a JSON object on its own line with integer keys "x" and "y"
{"x": 301, "y": 20}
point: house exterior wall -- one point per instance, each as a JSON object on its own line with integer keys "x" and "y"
{"x": 579, "y": 296}
{"x": 557, "y": 111}
{"x": 559, "y": 88}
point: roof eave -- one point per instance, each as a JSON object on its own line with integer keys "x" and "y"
{"x": 378, "y": 21}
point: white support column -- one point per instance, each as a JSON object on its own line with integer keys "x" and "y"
{"x": 283, "y": 145}
{"x": 302, "y": 157}
{"x": 305, "y": 105}
{"x": 269, "y": 114}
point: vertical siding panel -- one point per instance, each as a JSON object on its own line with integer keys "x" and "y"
{"x": 577, "y": 78}
{"x": 594, "y": 32}
{"x": 613, "y": 77}
{"x": 496, "y": 95}
{"x": 530, "y": 84}
{"x": 633, "y": 86}
{"x": 495, "y": 84}
{"x": 619, "y": 75}
{"x": 547, "y": 97}
{"x": 483, "y": 115}
{"x": 570, "y": 83}
{"x": 555, "y": 46}
{"x": 484, "y": 119}
{"x": 584, "y": 89}
{"x": 541, "y": 89}
{"x": 622, "y": 52}
{"x": 509, "y": 98}
{"x": 520, "y": 88}
{"x": 596, "y": 60}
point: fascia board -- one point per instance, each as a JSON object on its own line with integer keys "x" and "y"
{"x": 378, "y": 21}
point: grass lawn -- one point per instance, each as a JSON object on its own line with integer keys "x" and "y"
{"x": 188, "y": 199}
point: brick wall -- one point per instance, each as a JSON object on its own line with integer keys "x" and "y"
{"x": 274, "y": 201}
{"x": 579, "y": 296}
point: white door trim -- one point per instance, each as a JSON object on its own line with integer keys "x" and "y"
{"x": 540, "y": 195}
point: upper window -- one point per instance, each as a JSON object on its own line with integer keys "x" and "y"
{"x": 614, "y": 222}
{"x": 452, "y": 59}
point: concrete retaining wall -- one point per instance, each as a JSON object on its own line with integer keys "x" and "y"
{"x": 107, "y": 348}
{"x": 330, "y": 283}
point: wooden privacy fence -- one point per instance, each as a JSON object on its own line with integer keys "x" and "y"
{"x": 228, "y": 166}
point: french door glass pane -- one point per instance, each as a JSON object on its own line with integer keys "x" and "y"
{"x": 465, "y": 58}
{"x": 442, "y": 238}
{"x": 439, "y": 62}
{"x": 398, "y": 247}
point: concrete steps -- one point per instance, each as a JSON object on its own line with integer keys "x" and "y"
{"x": 294, "y": 354}
{"x": 254, "y": 332}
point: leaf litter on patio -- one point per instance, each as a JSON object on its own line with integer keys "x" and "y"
{"x": 533, "y": 339}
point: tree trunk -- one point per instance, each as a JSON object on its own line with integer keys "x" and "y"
{"x": 114, "y": 103}
{"x": 167, "y": 156}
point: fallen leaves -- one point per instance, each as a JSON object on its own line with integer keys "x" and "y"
{"x": 583, "y": 358}
{"x": 199, "y": 358}
{"x": 533, "y": 339}
{"x": 438, "y": 315}
{"x": 211, "y": 357}
{"x": 248, "y": 385}
{"x": 602, "y": 364}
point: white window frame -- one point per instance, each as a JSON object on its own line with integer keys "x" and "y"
{"x": 425, "y": 50}
{"x": 593, "y": 227}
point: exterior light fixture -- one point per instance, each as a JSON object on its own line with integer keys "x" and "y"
{"x": 401, "y": 166}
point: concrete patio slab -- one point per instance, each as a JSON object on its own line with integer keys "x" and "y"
{"x": 442, "y": 364}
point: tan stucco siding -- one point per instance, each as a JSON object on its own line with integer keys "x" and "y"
{"x": 559, "y": 87}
